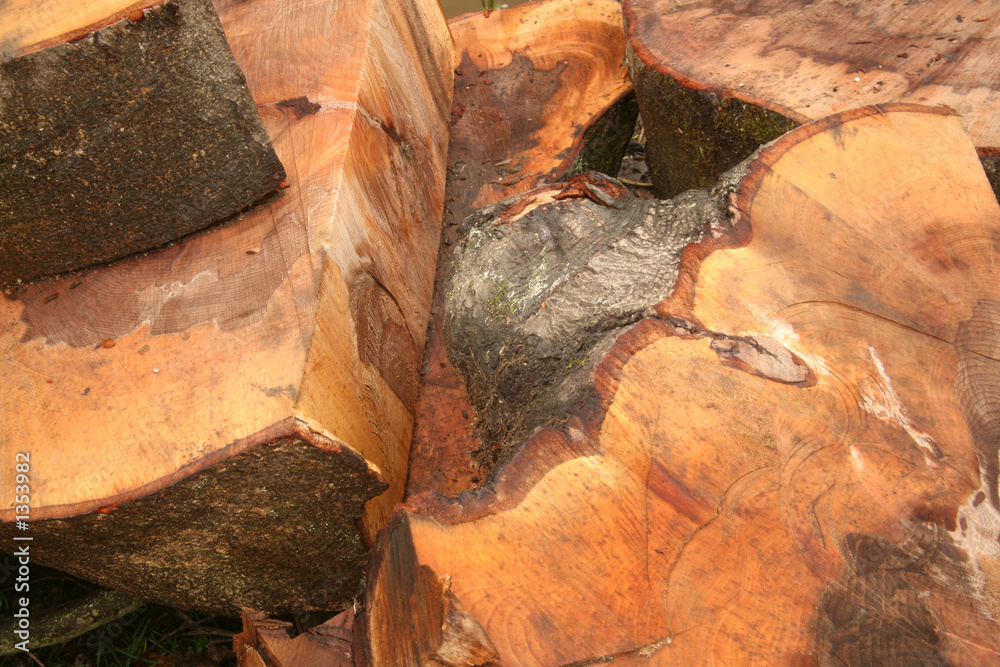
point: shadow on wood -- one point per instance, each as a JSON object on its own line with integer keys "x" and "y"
{"x": 716, "y": 79}
{"x": 226, "y": 422}
{"x": 531, "y": 83}
{"x": 792, "y": 457}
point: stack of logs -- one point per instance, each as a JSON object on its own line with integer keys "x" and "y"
{"x": 334, "y": 309}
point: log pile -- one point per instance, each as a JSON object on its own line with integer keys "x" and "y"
{"x": 751, "y": 420}
{"x": 225, "y": 422}
{"x": 716, "y": 79}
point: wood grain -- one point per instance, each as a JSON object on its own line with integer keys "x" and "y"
{"x": 810, "y": 60}
{"x": 530, "y": 80}
{"x": 806, "y": 60}
{"x": 124, "y": 380}
{"x": 699, "y": 508}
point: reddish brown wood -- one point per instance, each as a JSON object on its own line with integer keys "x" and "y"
{"x": 530, "y": 81}
{"x": 268, "y": 642}
{"x": 225, "y": 422}
{"x": 727, "y": 76}
{"x": 790, "y": 460}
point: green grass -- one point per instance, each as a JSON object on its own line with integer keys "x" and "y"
{"x": 150, "y": 635}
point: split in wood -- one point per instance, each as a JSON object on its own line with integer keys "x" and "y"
{"x": 753, "y": 423}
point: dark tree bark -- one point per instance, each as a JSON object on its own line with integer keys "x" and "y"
{"x": 225, "y": 422}
{"x": 715, "y": 79}
{"x": 123, "y": 137}
{"x": 540, "y": 92}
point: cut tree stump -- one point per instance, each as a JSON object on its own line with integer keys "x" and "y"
{"x": 120, "y": 136}
{"x": 715, "y": 79}
{"x": 755, "y": 424}
{"x": 226, "y": 422}
{"x": 540, "y": 92}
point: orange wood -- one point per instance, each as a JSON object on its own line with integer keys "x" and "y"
{"x": 530, "y": 80}
{"x": 807, "y": 60}
{"x": 29, "y": 26}
{"x": 701, "y": 514}
{"x": 122, "y": 380}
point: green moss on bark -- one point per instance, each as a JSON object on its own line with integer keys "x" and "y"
{"x": 692, "y": 136}
{"x": 605, "y": 142}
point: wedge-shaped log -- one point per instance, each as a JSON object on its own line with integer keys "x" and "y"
{"x": 716, "y": 79}
{"x": 767, "y": 429}
{"x": 211, "y": 425}
{"x": 122, "y": 136}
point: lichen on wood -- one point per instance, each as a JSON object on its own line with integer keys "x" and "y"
{"x": 531, "y": 87}
{"x": 539, "y": 285}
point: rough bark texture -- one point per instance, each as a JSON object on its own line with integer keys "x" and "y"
{"x": 695, "y": 135}
{"x": 158, "y": 397}
{"x": 716, "y": 78}
{"x": 532, "y": 86}
{"x": 127, "y": 138}
{"x": 790, "y": 459}
{"x": 258, "y": 528}
{"x": 991, "y": 164}
{"x": 540, "y": 283}
{"x": 57, "y": 626}
{"x": 606, "y": 140}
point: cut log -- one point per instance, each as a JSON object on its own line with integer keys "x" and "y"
{"x": 210, "y": 426}
{"x": 119, "y": 137}
{"x": 716, "y": 79}
{"x": 540, "y": 92}
{"x": 68, "y": 621}
{"x": 758, "y": 420}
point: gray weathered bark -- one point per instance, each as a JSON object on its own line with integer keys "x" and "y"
{"x": 539, "y": 285}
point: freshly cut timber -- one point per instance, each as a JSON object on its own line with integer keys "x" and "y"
{"x": 755, "y": 424}
{"x": 540, "y": 92}
{"x": 266, "y": 642}
{"x": 122, "y": 135}
{"x": 226, "y": 422}
{"x": 715, "y": 78}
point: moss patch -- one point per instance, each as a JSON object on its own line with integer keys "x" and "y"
{"x": 692, "y": 136}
